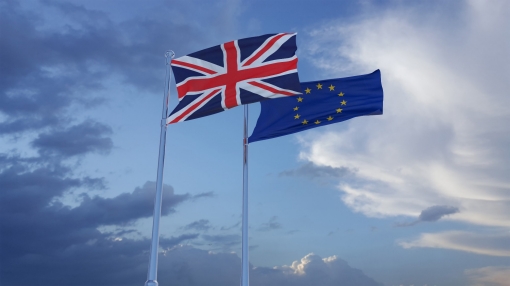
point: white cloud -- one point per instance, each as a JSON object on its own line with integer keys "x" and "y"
{"x": 489, "y": 276}
{"x": 190, "y": 266}
{"x": 486, "y": 244}
{"x": 445, "y": 132}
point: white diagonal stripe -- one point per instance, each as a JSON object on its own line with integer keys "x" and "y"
{"x": 199, "y": 62}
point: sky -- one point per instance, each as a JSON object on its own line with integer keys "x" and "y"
{"x": 417, "y": 196}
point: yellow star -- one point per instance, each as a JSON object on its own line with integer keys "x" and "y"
{"x": 330, "y": 118}
{"x": 300, "y": 99}
{"x": 305, "y": 122}
{"x": 343, "y": 102}
{"x": 317, "y": 121}
{"x": 331, "y": 87}
{"x": 338, "y": 110}
{"x": 341, "y": 94}
{"x": 308, "y": 90}
{"x": 297, "y": 116}
{"x": 296, "y": 108}
{"x": 319, "y": 86}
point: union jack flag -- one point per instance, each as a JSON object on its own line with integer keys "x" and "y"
{"x": 235, "y": 73}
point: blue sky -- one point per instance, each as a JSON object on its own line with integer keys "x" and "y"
{"x": 417, "y": 196}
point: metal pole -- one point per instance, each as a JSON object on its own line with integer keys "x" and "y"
{"x": 152, "y": 274}
{"x": 245, "y": 278}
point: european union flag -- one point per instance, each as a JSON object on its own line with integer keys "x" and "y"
{"x": 322, "y": 102}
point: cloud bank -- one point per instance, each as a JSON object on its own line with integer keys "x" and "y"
{"x": 489, "y": 276}
{"x": 444, "y": 135}
{"x": 189, "y": 266}
{"x": 486, "y": 244}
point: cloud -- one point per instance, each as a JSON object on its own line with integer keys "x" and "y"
{"x": 126, "y": 207}
{"x": 199, "y": 225}
{"x": 485, "y": 244}
{"x": 29, "y": 184}
{"x": 203, "y": 195}
{"x": 234, "y": 226}
{"x": 46, "y": 236}
{"x": 43, "y": 236}
{"x": 443, "y": 138}
{"x": 271, "y": 225}
{"x": 53, "y": 69}
{"x": 433, "y": 213}
{"x": 312, "y": 270}
{"x": 43, "y": 72}
{"x": 86, "y": 137}
{"x": 189, "y": 266}
{"x": 489, "y": 276}
{"x": 224, "y": 241}
{"x": 312, "y": 171}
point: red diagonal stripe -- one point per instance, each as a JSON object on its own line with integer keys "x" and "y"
{"x": 192, "y": 108}
{"x": 270, "y": 88}
{"x": 263, "y": 50}
{"x": 200, "y": 68}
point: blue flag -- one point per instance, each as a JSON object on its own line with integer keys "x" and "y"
{"x": 322, "y": 102}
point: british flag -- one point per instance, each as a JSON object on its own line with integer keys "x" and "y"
{"x": 235, "y": 73}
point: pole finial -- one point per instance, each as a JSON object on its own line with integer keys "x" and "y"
{"x": 169, "y": 54}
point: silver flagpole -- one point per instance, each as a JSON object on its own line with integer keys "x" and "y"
{"x": 152, "y": 274}
{"x": 245, "y": 278}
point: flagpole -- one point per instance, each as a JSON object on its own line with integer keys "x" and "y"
{"x": 245, "y": 278}
{"x": 152, "y": 273}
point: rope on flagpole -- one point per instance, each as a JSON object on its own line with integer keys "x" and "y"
{"x": 152, "y": 273}
{"x": 245, "y": 277}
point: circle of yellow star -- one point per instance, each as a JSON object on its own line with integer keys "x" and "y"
{"x": 317, "y": 121}
{"x": 300, "y": 99}
{"x": 329, "y": 118}
{"x": 305, "y": 122}
{"x": 296, "y": 108}
{"x": 331, "y": 87}
{"x": 343, "y": 102}
{"x": 308, "y": 90}
{"x": 341, "y": 94}
{"x": 338, "y": 110}
{"x": 319, "y": 86}
{"x": 297, "y": 116}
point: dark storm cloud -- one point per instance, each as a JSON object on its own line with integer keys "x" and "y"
{"x": 431, "y": 214}
{"x": 55, "y": 58}
{"x": 312, "y": 171}
{"x": 46, "y": 237}
{"x": 41, "y": 74}
{"x": 102, "y": 260}
{"x": 26, "y": 189}
{"x": 47, "y": 71}
{"x": 86, "y": 137}
{"x": 271, "y": 225}
{"x": 126, "y": 207}
{"x": 42, "y": 237}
